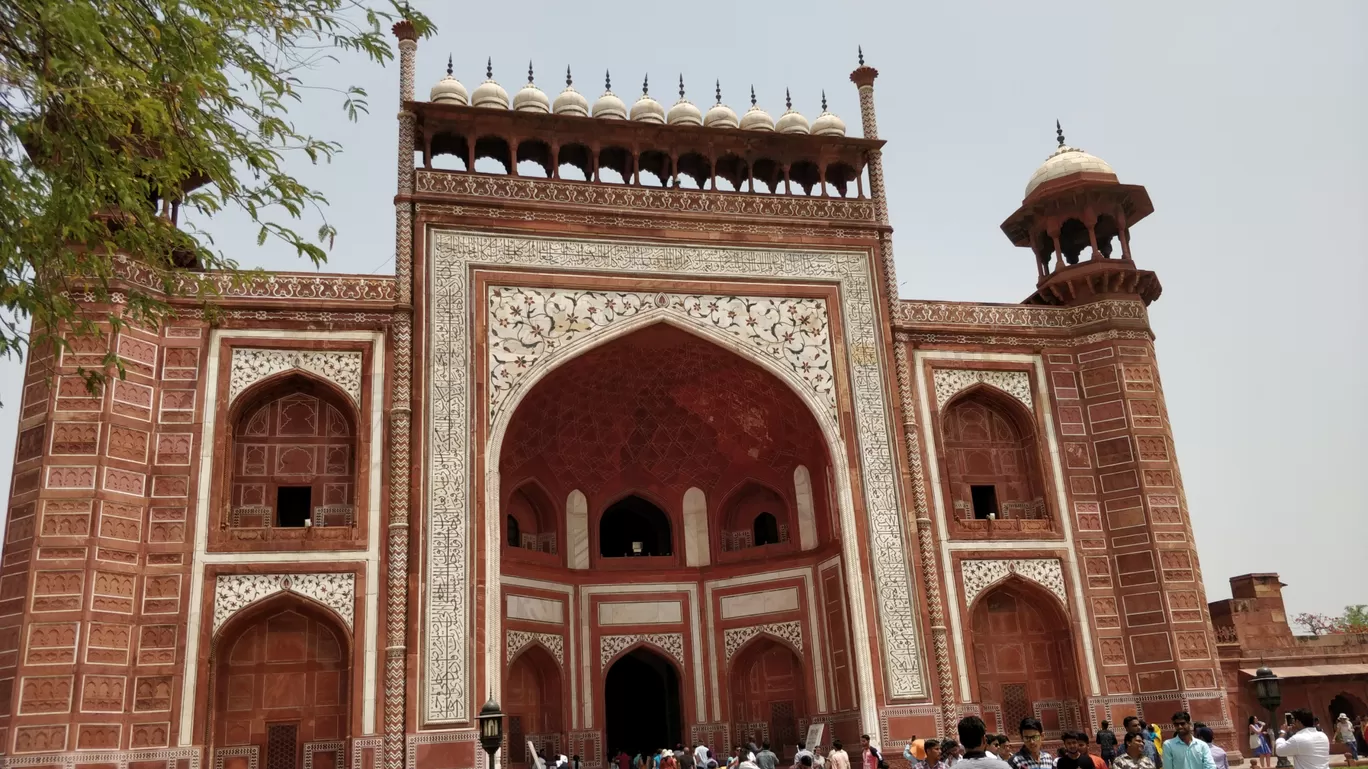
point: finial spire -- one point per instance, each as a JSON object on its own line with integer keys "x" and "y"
{"x": 1059, "y": 132}
{"x": 529, "y": 72}
{"x": 719, "y": 91}
{"x": 681, "y": 85}
{"x": 568, "y": 80}
{"x": 788, "y": 100}
{"x": 607, "y": 81}
{"x": 489, "y": 68}
{"x": 752, "y": 96}
{"x": 824, "y": 107}
{"x": 860, "y": 48}
{"x": 646, "y": 84}
{"x": 449, "y": 65}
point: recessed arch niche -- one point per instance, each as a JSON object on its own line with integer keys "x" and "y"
{"x": 633, "y": 416}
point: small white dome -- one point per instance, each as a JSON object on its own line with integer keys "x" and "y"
{"x": 646, "y": 109}
{"x": 609, "y": 106}
{"x": 449, "y": 90}
{"x": 1066, "y": 161}
{"x": 720, "y": 115}
{"x": 755, "y": 118}
{"x": 828, "y": 124}
{"x": 791, "y": 122}
{"x": 683, "y": 112}
{"x": 570, "y": 101}
{"x": 489, "y": 93}
{"x": 531, "y": 98}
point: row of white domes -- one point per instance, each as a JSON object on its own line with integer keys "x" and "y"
{"x": 646, "y": 109}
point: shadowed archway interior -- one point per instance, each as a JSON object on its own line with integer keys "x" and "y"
{"x": 641, "y": 695}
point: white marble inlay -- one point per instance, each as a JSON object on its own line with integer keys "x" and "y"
{"x": 641, "y": 613}
{"x": 696, "y": 551}
{"x": 807, "y": 513}
{"x": 536, "y": 609}
{"x": 763, "y": 602}
{"x": 577, "y": 529}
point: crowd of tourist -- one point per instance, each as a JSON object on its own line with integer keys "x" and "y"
{"x": 1140, "y": 746}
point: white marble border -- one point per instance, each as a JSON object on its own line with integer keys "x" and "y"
{"x": 451, "y": 256}
{"x": 920, "y": 360}
{"x": 370, "y": 557}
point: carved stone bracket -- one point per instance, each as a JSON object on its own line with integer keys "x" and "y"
{"x": 235, "y": 592}
{"x": 516, "y": 640}
{"x": 980, "y": 575}
{"x": 527, "y": 324}
{"x": 251, "y": 365}
{"x": 735, "y": 638}
{"x": 670, "y": 643}
{"x": 951, "y": 381}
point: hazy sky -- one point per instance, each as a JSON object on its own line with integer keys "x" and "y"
{"x": 1246, "y": 121}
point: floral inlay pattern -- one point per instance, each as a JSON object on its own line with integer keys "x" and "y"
{"x": 981, "y": 575}
{"x": 516, "y": 640}
{"x": 235, "y": 592}
{"x": 950, "y": 381}
{"x": 527, "y": 324}
{"x": 251, "y": 365}
{"x": 670, "y": 643}
{"x": 735, "y": 638}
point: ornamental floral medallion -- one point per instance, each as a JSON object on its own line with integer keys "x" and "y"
{"x": 449, "y": 543}
{"x": 735, "y": 638}
{"x": 235, "y": 592}
{"x": 981, "y": 575}
{"x": 251, "y": 365}
{"x": 527, "y": 324}
{"x": 951, "y": 381}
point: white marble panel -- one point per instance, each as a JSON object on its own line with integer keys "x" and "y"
{"x": 807, "y": 513}
{"x": 696, "y": 528}
{"x": 577, "y": 529}
{"x": 641, "y": 613}
{"x": 536, "y": 609}
{"x": 756, "y": 604}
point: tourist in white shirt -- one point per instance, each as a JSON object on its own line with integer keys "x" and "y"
{"x": 1307, "y": 746}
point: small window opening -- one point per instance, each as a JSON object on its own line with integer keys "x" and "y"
{"x": 514, "y": 533}
{"x": 294, "y": 506}
{"x": 765, "y": 529}
{"x": 985, "y": 501}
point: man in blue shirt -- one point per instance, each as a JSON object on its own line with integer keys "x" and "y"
{"x": 1184, "y": 750}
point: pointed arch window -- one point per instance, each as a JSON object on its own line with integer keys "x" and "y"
{"x": 765, "y": 529}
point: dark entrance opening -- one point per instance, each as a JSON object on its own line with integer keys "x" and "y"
{"x": 641, "y": 703}
{"x": 634, "y": 527}
{"x": 293, "y": 506}
{"x": 985, "y": 501}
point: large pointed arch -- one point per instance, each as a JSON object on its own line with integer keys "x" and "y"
{"x": 831, "y": 433}
{"x": 302, "y": 645}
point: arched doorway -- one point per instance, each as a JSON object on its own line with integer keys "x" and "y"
{"x": 769, "y": 697}
{"x": 532, "y": 696}
{"x": 633, "y": 526}
{"x": 641, "y": 703}
{"x": 1349, "y": 705}
{"x": 281, "y": 681}
{"x": 1023, "y": 654}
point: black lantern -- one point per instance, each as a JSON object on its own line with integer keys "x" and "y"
{"x": 1267, "y": 689}
{"x": 491, "y": 728}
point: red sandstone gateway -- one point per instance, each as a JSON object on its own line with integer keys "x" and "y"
{"x": 653, "y": 454}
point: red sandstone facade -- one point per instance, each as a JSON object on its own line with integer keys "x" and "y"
{"x": 628, "y": 459}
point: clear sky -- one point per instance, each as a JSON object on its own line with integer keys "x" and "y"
{"x": 1246, "y": 121}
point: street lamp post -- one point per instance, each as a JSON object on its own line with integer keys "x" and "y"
{"x": 491, "y": 728}
{"x": 1268, "y": 690}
